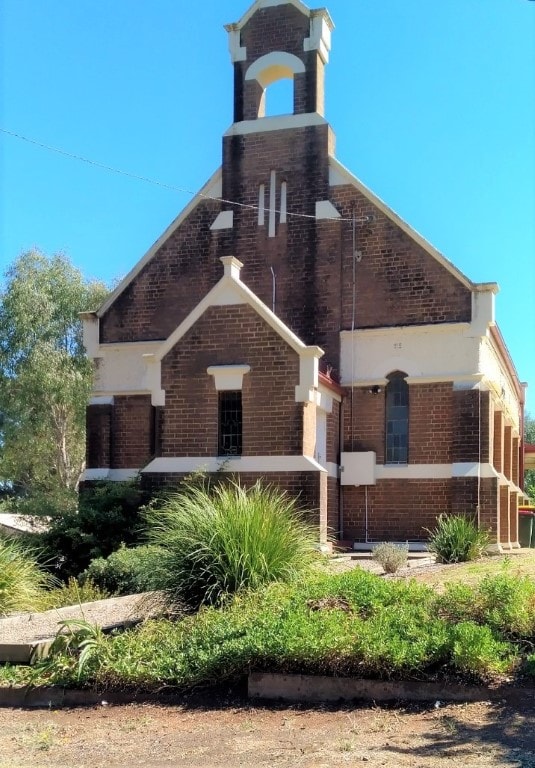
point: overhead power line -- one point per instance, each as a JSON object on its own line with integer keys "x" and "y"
{"x": 154, "y": 182}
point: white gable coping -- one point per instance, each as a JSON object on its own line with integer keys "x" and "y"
{"x": 259, "y": 4}
{"x": 231, "y": 291}
{"x": 212, "y": 189}
{"x": 339, "y": 175}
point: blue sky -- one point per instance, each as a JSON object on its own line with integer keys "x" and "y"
{"x": 433, "y": 105}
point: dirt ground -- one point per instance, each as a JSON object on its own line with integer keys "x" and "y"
{"x": 234, "y": 733}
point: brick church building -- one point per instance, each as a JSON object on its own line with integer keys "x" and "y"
{"x": 289, "y": 326}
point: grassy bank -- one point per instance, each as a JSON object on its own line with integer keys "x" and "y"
{"x": 349, "y": 624}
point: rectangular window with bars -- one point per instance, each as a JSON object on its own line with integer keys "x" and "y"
{"x": 230, "y": 424}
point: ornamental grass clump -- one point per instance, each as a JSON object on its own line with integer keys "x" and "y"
{"x": 225, "y": 538}
{"x": 457, "y": 539}
{"x": 22, "y": 582}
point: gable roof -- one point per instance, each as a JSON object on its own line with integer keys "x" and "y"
{"x": 259, "y": 4}
{"x": 230, "y": 290}
{"x": 211, "y": 190}
{"x": 340, "y": 175}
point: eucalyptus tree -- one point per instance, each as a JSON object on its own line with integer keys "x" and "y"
{"x": 45, "y": 377}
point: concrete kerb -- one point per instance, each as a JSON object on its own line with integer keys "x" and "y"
{"x": 292, "y": 689}
{"x": 307, "y": 689}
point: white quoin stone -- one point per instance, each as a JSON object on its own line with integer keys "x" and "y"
{"x": 232, "y": 267}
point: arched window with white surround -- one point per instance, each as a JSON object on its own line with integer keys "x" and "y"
{"x": 397, "y": 419}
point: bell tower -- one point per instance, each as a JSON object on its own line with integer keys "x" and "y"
{"x": 278, "y": 39}
{"x": 275, "y": 171}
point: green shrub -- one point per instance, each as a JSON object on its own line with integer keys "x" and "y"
{"x": 457, "y": 539}
{"x": 108, "y": 514}
{"x": 74, "y": 592}
{"x": 226, "y": 538}
{"x": 507, "y": 604}
{"x": 126, "y": 571}
{"x": 22, "y": 581}
{"x": 503, "y": 602}
{"x": 391, "y": 557}
{"x": 476, "y": 650}
{"x": 349, "y": 624}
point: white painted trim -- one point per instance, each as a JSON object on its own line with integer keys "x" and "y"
{"x": 110, "y": 474}
{"x": 231, "y": 267}
{"x": 333, "y": 470}
{"x": 275, "y": 123}
{"x": 386, "y": 330}
{"x": 326, "y": 210}
{"x": 228, "y": 378}
{"x": 91, "y": 332}
{"x": 413, "y": 472}
{"x": 328, "y": 392}
{"x": 103, "y": 400}
{"x": 463, "y": 381}
{"x": 434, "y": 471}
{"x": 339, "y": 175}
{"x": 261, "y": 464}
{"x": 236, "y": 50}
{"x": 212, "y": 188}
{"x": 224, "y": 220}
{"x": 120, "y": 393}
{"x": 324, "y": 401}
{"x": 427, "y": 354}
{"x": 320, "y": 35}
{"x": 275, "y": 66}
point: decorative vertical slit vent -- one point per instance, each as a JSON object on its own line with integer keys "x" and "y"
{"x": 272, "y": 203}
{"x": 261, "y": 205}
{"x": 284, "y": 193}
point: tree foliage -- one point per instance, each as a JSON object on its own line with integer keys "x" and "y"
{"x": 45, "y": 378}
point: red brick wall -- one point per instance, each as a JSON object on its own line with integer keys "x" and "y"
{"x": 333, "y": 509}
{"x": 283, "y": 28}
{"x": 183, "y": 269}
{"x": 132, "y": 436}
{"x": 364, "y": 422}
{"x": 98, "y": 436}
{"x": 272, "y": 420}
{"x": 398, "y": 283}
{"x": 333, "y": 433}
{"x": 470, "y": 437}
{"x": 431, "y": 424}
{"x": 397, "y": 509}
{"x": 303, "y": 486}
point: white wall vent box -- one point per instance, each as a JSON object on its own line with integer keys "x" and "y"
{"x": 357, "y": 468}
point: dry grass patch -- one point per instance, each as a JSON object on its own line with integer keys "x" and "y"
{"x": 515, "y": 564}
